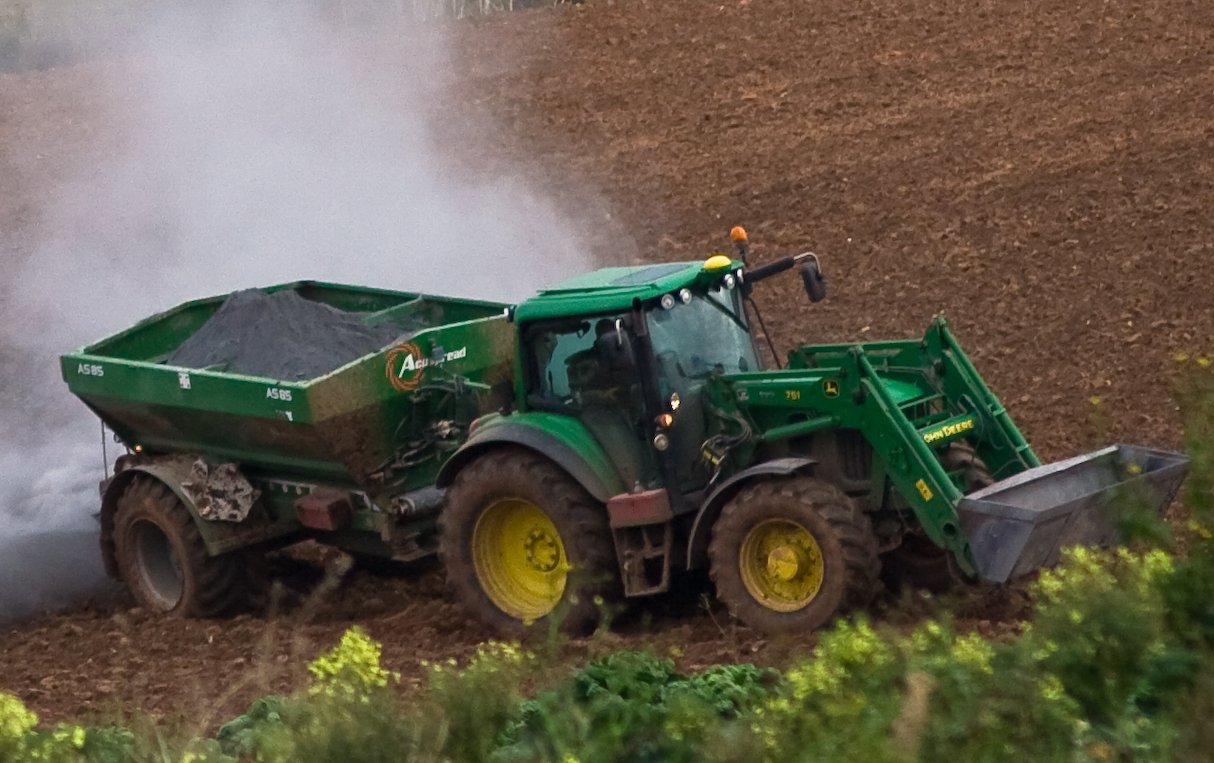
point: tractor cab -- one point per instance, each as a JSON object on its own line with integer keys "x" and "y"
{"x": 627, "y": 352}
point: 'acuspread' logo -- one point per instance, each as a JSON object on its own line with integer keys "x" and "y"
{"x": 406, "y": 362}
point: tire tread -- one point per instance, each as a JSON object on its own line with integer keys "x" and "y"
{"x": 216, "y": 586}
{"x": 582, "y": 521}
{"x": 847, "y": 525}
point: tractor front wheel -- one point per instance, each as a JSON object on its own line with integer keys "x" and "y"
{"x": 523, "y": 542}
{"x": 789, "y": 554}
{"x": 163, "y": 559}
{"x": 917, "y": 561}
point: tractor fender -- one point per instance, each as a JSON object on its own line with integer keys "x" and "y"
{"x": 219, "y": 537}
{"x": 577, "y": 452}
{"x": 701, "y": 529}
{"x": 169, "y": 472}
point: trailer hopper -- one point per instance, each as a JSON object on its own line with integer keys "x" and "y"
{"x": 380, "y": 423}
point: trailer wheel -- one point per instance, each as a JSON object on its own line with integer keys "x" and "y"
{"x": 163, "y": 560}
{"x": 790, "y": 554}
{"x": 917, "y": 561}
{"x": 523, "y": 542}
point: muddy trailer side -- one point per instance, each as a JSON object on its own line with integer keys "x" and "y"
{"x": 348, "y": 457}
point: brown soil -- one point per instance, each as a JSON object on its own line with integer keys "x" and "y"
{"x": 108, "y": 657}
{"x": 1041, "y": 172}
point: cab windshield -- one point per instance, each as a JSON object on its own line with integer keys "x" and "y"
{"x": 693, "y": 340}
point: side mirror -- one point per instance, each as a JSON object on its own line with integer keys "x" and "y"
{"x": 815, "y": 284}
{"x": 615, "y": 350}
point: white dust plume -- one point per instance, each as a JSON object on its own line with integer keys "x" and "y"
{"x": 243, "y": 147}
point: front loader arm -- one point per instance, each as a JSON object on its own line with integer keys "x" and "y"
{"x": 959, "y": 380}
{"x": 908, "y": 399}
{"x": 909, "y": 462}
{"x": 849, "y": 394}
{"x": 937, "y": 363}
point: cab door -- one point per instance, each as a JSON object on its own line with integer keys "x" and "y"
{"x": 586, "y": 368}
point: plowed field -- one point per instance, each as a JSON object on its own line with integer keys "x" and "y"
{"x": 1042, "y": 172}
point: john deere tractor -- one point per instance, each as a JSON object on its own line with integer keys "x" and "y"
{"x": 646, "y": 437}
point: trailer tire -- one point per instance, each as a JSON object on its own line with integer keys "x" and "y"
{"x": 523, "y": 543}
{"x": 164, "y": 562}
{"x": 917, "y": 561}
{"x": 789, "y": 554}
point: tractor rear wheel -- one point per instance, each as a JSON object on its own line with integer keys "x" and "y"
{"x": 789, "y": 554}
{"x": 523, "y": 542}
{"x": 163, "y": 559}
{"x": 917, "y": 561}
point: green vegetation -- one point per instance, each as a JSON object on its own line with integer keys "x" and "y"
{"x": 1115, "y": 666}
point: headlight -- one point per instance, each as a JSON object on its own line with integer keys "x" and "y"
{"x": 667, "y": 301}
{"x": 728, "y": 281}
{"x": 685, "y": 295}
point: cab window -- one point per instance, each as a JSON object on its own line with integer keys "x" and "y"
{"x": 570, "y": 367}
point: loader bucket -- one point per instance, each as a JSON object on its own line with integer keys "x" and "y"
{"x": 1022, "y": 523}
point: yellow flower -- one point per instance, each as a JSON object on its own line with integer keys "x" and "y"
{"x": 15, "y": 718}
{"x": 1048, "y": 648}
{"x": 972, "y": 649}
{"x": 1051, "y": 688}
{"x": 1200, "y": 529}
{"x": 351, "y": 669}
{"x": 834, "y": 657}
{"x": 1156, "y": 564}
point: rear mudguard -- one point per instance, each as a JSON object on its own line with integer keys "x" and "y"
{"x": 172, "y": 471}
{"x": 561, "y": 439}
{"x": 701, "y": 530}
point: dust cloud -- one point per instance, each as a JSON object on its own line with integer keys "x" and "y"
{"x": 247, "y": 146}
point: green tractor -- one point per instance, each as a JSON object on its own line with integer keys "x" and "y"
{"x": 646, "y": 437}
{"x": 588, "y": 445}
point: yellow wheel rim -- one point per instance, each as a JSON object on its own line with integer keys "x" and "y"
{"x": 519, "y": 558}
{"x": 781, "y": 565}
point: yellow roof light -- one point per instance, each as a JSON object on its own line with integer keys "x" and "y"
{"x": 737, "y": 233}
{"x": 717, "y": 262}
